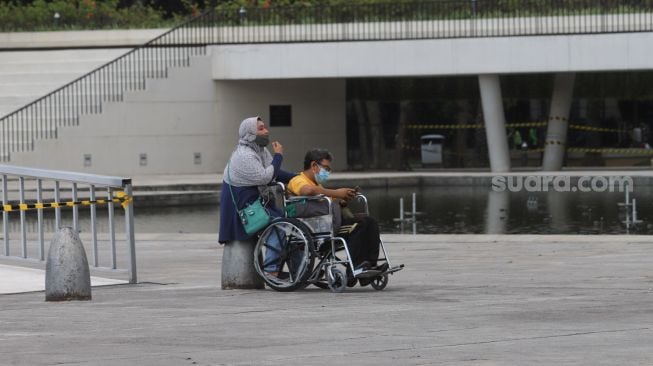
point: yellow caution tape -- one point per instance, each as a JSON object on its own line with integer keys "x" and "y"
{"x": 612, "y": 151}
{"x": 574, "y": 149}
{"x": 121, "y": 198}
{"x": 511, "y": 125}
{"x": 443, "y": 127}
{"x": 525, "y": 124}
{"x": 472, "y": 126}
{"x": 593, "y": 129}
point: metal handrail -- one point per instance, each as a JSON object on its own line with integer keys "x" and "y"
{"x": 396, "y": 20}
{"x": 86, "y": 190}
{"x": 115, "y": 182}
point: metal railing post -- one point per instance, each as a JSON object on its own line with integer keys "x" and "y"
{"x": 57, "y": 210}
{"x": 39, "y": 199}
{"x": 129, "y": 230}
{"x": 5, "y": 216}
{"x": 112, "y": 229}
{"x": 75, "y": 209}
{"x": 23, "y": 228}
{"x": 93, "y": 225}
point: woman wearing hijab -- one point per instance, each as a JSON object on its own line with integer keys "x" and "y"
{"x": 251, "y": 165}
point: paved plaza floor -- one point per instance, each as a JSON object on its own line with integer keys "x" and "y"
{"x": 14, "y": 279}
{"x": 462, "y": 300}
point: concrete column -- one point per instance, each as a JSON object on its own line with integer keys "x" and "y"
{"x": 558, "y": 207}
{"x": 556, "y": 132}
{"x": 498, "y": 205}
{"x": 495, "y": 123}
{"x": 238, "y": 270}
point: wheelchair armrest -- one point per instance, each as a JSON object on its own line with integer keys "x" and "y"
{"x": 278, "y": 184}
{"x": 319, "y": 197}
{"x": 361, "y": 198}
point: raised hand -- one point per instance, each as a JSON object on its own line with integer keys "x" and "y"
{"x": 277, "y": 147}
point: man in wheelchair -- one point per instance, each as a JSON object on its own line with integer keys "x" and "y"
{"x": 360, "y": 231}
{"x": 309, "y": 244}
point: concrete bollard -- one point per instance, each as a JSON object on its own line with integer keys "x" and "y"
{"x": 67, "y": 276}
{"x": 238, "y": 270}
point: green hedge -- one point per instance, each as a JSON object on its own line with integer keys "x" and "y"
{"x": 42, "y": 15}
{"x": 254, "y": 12}
{"x": 39, "y": 15}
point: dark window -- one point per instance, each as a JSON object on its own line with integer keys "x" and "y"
{"x": 280, "y": 116}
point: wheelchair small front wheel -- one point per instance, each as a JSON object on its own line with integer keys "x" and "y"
{"x": 337, "y": 279}
{"x": 283, "y": 255}
{"x": 380, "y": 282}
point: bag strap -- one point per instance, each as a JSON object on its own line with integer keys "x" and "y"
{"x": 230, "y": 190}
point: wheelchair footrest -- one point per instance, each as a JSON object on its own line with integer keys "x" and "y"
{"x": 395, "y": 269}
{"x": 366, "y": 273}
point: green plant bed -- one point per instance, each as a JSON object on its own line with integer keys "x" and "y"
{"x": 42, "y": 15}
{"x": 85, "y": 14}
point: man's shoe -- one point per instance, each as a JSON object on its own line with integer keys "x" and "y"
{"x": 363, "y": 266}
{"x": 279, "y": 275}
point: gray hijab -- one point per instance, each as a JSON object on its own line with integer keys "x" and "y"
{"x": 250, "y": 164}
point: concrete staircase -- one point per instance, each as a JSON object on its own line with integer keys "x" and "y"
{"x": 164, "y": 128}
{"x": 28, "y": 75}
{"x": 96, "y": 111}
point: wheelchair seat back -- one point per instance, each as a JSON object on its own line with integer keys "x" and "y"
{"x": 315, "y": 213}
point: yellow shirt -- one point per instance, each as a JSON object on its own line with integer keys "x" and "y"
{"x": 295, "y": 185}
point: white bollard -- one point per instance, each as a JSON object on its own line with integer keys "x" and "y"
{"x": 238, "y": 270}
{"x": 67, "y": 276}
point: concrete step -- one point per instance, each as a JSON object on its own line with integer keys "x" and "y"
{"x": 16, "y": 146}
{"x": 19, "y": 101}
{"x": 48, "y": 131}
{"x": 80, "y": 65}
{"x": 125, "y": 64}
{"x": 70, "y": 66}
{"x": 27, "y": 91}
{"x": 46, "y": 121}
{"x": 8, "y": 108}
{"x": 36, "y": 91}
{"x": 106, "y": 54}
{"x": 37, "y": 77}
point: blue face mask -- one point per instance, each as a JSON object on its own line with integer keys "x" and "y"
{"x": 322, "y": 176}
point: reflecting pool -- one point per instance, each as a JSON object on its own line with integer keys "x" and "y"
{"x": 453, "y": 210}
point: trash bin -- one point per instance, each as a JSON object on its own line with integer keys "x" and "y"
{"x": 432, "y": 149}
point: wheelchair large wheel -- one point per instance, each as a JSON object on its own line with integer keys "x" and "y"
{"x": 284, "y": 256}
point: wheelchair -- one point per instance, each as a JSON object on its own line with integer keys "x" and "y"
{"x": 298, "y": 250}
